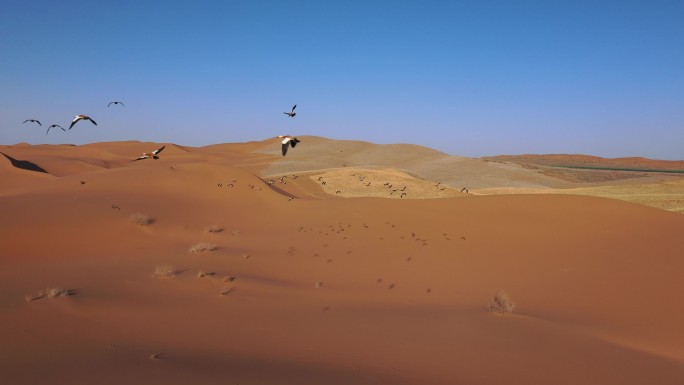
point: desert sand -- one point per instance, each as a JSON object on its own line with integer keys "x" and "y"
{"x": 230, "y": 264}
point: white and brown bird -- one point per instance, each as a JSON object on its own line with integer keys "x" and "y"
{"x": 81, "y": 117}
{"x": 154, "y": 154}
{"x": 288, "y": 141}
{"x": 52, "y": 126}
{"x": 32, "y": 121}
{"x": 110, "y": 103}
{"x": 291, "y": 113}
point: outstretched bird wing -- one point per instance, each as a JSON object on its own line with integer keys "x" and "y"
{"x": 155, "y": 152}
{"x": 285, "y": 146}
{"x": 76, "y": 119}
{"x": 54, "y": 125}
{"x": 293, "y": 108}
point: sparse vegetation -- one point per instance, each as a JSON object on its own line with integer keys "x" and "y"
{"x": 202, "y": 273}
{"x": 52, "y": 292}
{"x": 164, "y": 271}
{"x": 55, "y": 292}
{"x": 501, "y": 303}
{"x": 202, "y": 247}
{"x": 227, "y": 290}
{"x": 214, "y": 229}
{"x": 141, "y": 219}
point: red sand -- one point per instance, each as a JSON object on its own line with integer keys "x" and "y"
{"x": 325, "y": 291}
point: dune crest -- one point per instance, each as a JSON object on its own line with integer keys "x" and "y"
{"x": 208, "y": 266}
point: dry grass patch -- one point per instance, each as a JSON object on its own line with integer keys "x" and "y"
{"x": 164, "y": 271}
{"x": 141, "y": 219}
{"x": 213, "y": 229}
{"x": 202, "y": 274}
{"x": 227, "y": 290}
{"x": 52, "y": 292}
{"x": 501, "y": 303}
{"x": 202, "y": 247}
{"x": 55, "y": 292}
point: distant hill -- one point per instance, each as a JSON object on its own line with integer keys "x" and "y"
{"x": 321, "y": 154}
{"x": 593, "y": 162}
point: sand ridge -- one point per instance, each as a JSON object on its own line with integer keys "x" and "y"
{"x": 300, "y": 287}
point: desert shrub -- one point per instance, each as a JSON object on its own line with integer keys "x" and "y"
{"x": 202, "y": 273}
{"x": 213, "y": 229}
{"x": 164, "y": 271}
{"x": 501, "y": 303}
{"x": 55, "y": 292}
{"x": 141, "y": 219}
{"x": 202, "y": 247}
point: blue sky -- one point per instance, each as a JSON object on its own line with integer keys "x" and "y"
{"x": 471, "y": 78}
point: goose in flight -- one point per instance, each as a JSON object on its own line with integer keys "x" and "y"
{"x": 81, "y": 117}
{"x": 54, "y": 125}
{"x": 110, "y": 103}
{"x": 291, "y": 113}
{"x": 32, "y": 121}
{"x": 154, "y": 154}
{"x": 288, "y": 141}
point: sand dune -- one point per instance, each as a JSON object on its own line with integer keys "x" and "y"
{"x": 306, "y": 288}
{"x": 322, "y": 154}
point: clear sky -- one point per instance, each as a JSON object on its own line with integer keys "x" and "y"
{"x": 471, "y": 78}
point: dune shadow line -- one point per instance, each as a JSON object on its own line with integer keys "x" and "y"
{"x": 24, "y": 164}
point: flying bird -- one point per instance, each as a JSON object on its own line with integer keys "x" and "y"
{"x": 154, "y": 154}
{"x": 81, "y": 117}
{"x": 33, "y": 121}
{"x": 110, "y": 103}
{"x": 288, "y": 141}
{"x": 291, "y": 113}
{"x": 54, "y": 125}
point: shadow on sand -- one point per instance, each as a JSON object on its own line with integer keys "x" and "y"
{"x": 24, "y": 164}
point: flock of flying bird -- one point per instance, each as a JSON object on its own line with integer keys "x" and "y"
{"x": 287, "y": 140}
{"x": 76, "y": 119}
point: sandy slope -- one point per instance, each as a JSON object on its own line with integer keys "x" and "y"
{"x": 422, "y": 162}
{"x": 318, "y": 290}
{"x": 667, "y": 195}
